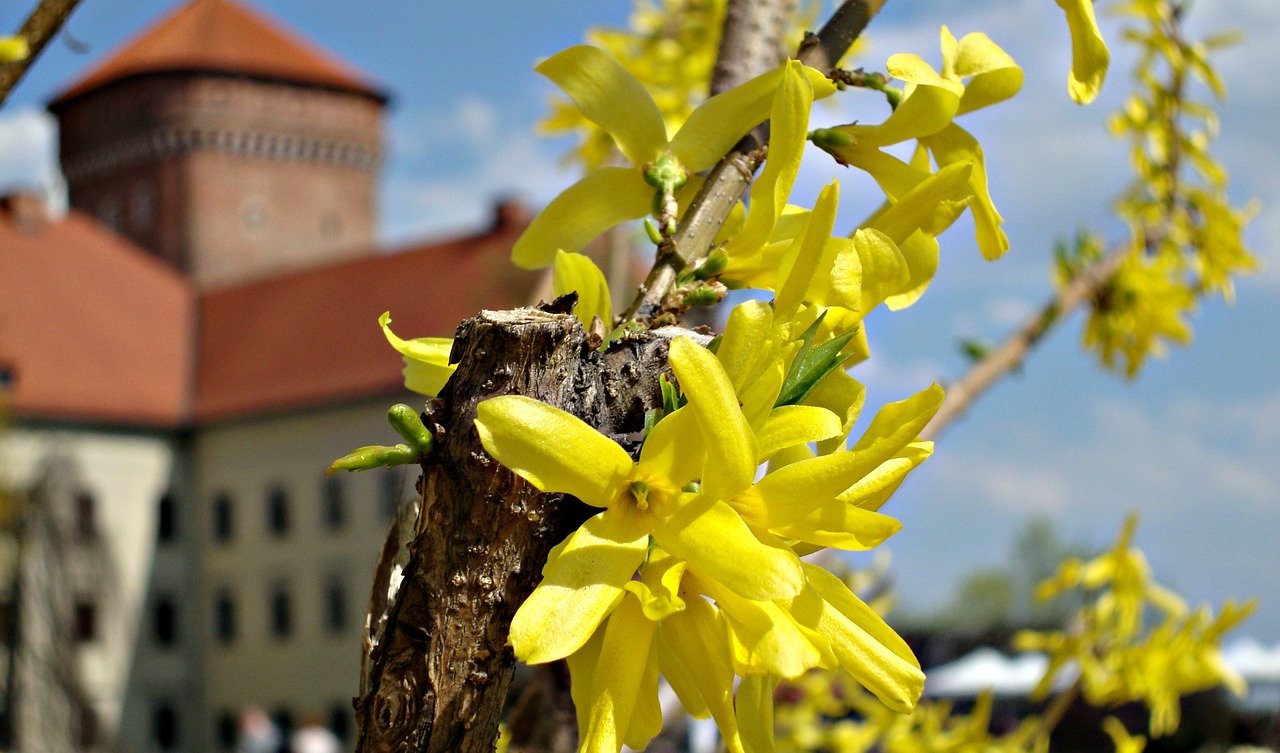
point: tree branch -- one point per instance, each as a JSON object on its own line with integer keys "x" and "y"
{"x": 40, "y": 27}
{"x": 728, "y": 180}
{"x": 964, "y": 392}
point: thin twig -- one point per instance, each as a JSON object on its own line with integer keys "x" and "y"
{"x": 728, "y": 180}
{"x": 40, "y": 27}
{"x": 962, "y": 393}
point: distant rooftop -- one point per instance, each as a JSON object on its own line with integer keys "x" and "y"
{"x": 222, "y": 36}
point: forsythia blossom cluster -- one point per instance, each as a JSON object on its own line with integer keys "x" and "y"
{"x": 692, "y": 568}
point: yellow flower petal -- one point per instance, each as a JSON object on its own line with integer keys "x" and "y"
{"x": 1089, "y": 55}
{"x": 609, "y": 96}
{"x": 659, "y": 586}
{"x": 873, "y": 489}
{"x": 790, "y": 425}
{"x": 917, "y": 209}
{"x": 13, "y": 49}
{"x": 603, "y": 198}
{"x": 718, "y": 124}
{"x": 765, "y": 637}
{"x": 865, "y": 646}
{"x": 731, "y": 447}
{"x": 885, "y": 270}
{"x": 954, "y": 145}
{"x": 720, "y": 548}
{"x": 426, "y": 359}
{"x": 744, "y": 338}
{"x": 553, "y": 450}
{"x": 789, "y": 127}
{"x": 674, "y": 450}
{"x": 624, "y": 688}
{"x": 694, "y": 644}
{"x": 839, "y": 524}
{"x": 993, "y": 75}
{"x": 577, "y": 273}
{"x": 930, "y": 103}
{"x": 920, "y": 253}
{"x": 581, "y": 584}
{"x": 808, "y": 253}
{"x": 842, "y": 395}
{"x": 755, "y": 713}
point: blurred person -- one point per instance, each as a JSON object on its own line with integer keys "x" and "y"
{"x": 258, "y": 734}
{"x": 312, "y": 736}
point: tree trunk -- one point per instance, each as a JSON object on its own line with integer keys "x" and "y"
{"x": 438, "y": 665}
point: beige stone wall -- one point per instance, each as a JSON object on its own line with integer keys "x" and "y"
{"x": 313, "y": 669}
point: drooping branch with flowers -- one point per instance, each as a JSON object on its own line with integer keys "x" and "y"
{"x": 633, "y": 497}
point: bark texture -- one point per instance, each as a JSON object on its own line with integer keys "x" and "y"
{"x": 438, "y": 666}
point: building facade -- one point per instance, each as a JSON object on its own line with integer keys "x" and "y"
{"x": 181, "y": 356}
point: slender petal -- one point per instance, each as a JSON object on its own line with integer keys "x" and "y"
{"x": 718, "y": 124}
{"x": 659, "y": 586}
{"x": 581, "y": 584}
{"x": 838, "y": 524}
{"x": 930, "y": 104}
{"x": 695, "y": 643}
{"x": 873, "y": 489}
{"x": 755, "y": 713}
{"x": 674, "y": 450}
{"x": 603, "y": 198}
{"x": 842, "y": 395}
{"x": 721, "y": 548}
{"x": 790, "y": 425}
{"x": 609, "y": 96}
{"x": 577, "y": 273}
{"x": 789, "y": 126}
{"x": 885, "y": 270}
{"x": 731, "y": 447}
{"x": 865, "y": 646}
{"x": 799, "y": 277}
{"x": 920, "y": 252}
{"x": 624, "y": 688}
{"x": 954, "y": 145}
{"x": 553, "y": 450}
{"x": 744, "y": 336}
{"x": 993, "y": 75}
{"x": 426, "y": 359}
{"x": 765, "y": 637}
{"x": 1089, "y": 55}
{"x": 917, "y": 209}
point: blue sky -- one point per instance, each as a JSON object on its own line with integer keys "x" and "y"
{"x": 1193, "y": 444}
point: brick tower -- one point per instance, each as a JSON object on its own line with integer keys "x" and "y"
{"x": 226, "y": 145}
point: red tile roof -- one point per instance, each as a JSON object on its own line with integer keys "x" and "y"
{"x": 312, "y": 337}
{"x": 92, "y": 328}
{"x": 223, "y": 36}
{"x": 95, "y": 329}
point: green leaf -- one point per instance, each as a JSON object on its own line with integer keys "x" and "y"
{"x": 811, "y": 365}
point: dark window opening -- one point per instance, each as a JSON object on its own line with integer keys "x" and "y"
{"x": 340, "y": 721}
{"x": 223, "y": 518}
{"x": 281, "y": 613}
{"x": 165, "y": 726}
{"x": 335, "y": 606}
{"x": 226, "y": 730}
{"x": 165, "y": 622}
{"x": 335, "y": 502}
{"x": 86, "y": 523}
{"x": 166, "y": 519}
{"x": 86, "y": 621}
{"x": 392, "y": 490}
{"x": 224, "y": 618}
{"x": 277, "y": 512}
{"x": 86, "y": 721}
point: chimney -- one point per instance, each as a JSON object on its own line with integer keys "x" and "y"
{"x": 510, "y": 214}
{"x": 27, "y": 212}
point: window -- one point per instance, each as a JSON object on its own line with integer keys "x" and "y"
{"x": 164, "y": 726}
{"x": 224, "y": 617}
{"x": 165, "y": 621}
{"x": 226, "y": 730}
{"x": 86, "y": 621}
{"x": 281, "y": 613}
{"x": 340, "y": 721}
{"x": 277, "y": 512}
{"x": 223, "y": 517}
{"x": 86, "y": 523}
{"x": 86, "y": 721}
{"x": 392, "y": 484}
{"x": 334, "y": 508}
{"x": 166, "y": 519}
{"x": 335, "y": 605}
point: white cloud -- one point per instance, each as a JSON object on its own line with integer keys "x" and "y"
{"x": 452, "y": 166}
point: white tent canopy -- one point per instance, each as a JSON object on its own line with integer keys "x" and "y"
{"x": 988, "y": 669}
